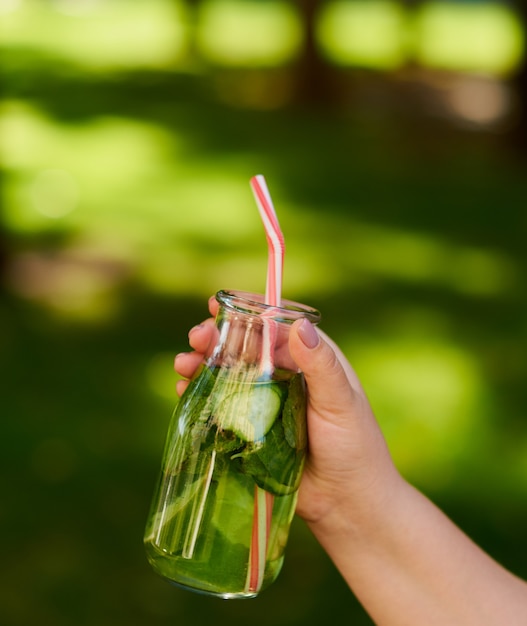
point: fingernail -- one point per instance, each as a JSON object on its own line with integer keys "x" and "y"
{"x": 194, "y": 328}
{"x": 180, "y": 354}
{"x": 308, "y": 334}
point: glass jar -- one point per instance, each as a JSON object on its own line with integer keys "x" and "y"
{"x": 234, "y": 455}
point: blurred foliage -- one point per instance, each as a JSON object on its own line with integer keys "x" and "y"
{"x": 127, "y": 146}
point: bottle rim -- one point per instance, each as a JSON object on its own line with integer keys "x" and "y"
{"x": 254, "y": 304}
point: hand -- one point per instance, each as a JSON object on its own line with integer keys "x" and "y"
{"x": 348, "y": 469}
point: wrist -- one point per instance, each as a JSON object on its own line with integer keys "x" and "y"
{"x": 359, "y": 517}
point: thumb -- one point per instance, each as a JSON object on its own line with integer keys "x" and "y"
{"x": 333, "y": 387}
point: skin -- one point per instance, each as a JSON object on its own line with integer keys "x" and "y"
{"x": 406, "y": 562}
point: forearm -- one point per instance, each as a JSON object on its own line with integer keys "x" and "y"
{"x": 409, "y": 564}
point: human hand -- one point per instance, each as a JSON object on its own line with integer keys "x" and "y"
{"x": 348, "y": 472}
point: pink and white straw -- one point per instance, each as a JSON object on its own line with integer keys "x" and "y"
{"x": 263, "y": 500}
{"x": 275, "y": 240}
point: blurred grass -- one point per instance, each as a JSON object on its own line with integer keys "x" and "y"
{"x": 126, "y": 203}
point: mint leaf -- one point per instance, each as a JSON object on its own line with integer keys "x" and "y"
{"x": 294, "y": 414}
{"x": 274, "y": 465}
{"x": 277, "y": 455}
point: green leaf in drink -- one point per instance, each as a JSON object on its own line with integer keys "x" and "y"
{"x": 294, "y": 413}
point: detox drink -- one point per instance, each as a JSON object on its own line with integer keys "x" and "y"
{"x": 233, "y": 459}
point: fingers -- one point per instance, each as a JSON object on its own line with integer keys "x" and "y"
{"x": 186, "y": 363}
{"x": 214, "y": 305}
{"x": 202, "y": 338}
{"x": 349, "y": 371}
{"x": 334, "y": 389}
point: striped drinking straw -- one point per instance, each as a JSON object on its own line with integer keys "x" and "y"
{"x": 275, "y": 240}
{"x": 263, "y": 500}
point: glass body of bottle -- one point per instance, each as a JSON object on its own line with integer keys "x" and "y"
{"x": 234, "y": 455}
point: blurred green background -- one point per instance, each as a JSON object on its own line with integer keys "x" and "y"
{"x": 392, "y": 137}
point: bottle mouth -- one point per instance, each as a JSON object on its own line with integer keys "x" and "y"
{"x": 254, "y": 304}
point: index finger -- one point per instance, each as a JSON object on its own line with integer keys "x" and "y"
{"x": 214, "y": 305}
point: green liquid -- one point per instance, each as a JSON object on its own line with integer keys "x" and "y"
{"x": 201, "y": 524}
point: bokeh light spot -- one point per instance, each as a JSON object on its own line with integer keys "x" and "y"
{"x": 54, "y": 193}
{"x": 369, "y": 33}
{"x": 426, "y": 393}
{"x": 248, "y": 33}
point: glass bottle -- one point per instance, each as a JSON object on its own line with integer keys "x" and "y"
{"x": 234, "y": 455}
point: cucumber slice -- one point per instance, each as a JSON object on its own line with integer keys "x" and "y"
{"x": 250, "y": 412}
